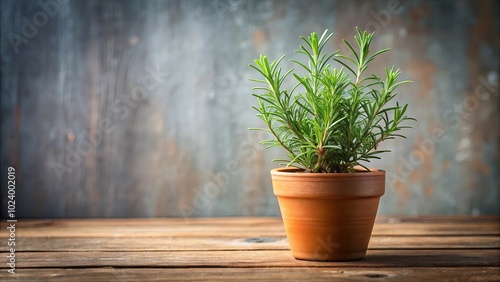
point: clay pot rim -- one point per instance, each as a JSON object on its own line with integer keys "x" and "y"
{"x": 299, "y": 172}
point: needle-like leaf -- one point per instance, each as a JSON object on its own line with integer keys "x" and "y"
{"x": 330, "y": 121}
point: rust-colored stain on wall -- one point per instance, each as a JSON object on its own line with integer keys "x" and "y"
{"x": 141, "y": 108}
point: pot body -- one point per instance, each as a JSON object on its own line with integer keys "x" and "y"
{"x": 328, "y": 216}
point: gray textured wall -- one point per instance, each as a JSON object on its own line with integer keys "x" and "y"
{"x": 141, "y": 108}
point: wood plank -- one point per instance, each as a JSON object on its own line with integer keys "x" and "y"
{"x": 259, "y": 274}
{"x": 434, "y": 242}
{"x": 256, "y": 258}
{"x": 236, "y": 243}
{"x": 249, "y": 220}
{"x": 436, "y": 219}
{"x": 252, "y": 227}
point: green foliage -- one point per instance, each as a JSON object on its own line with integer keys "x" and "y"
{"x": 330, "y": 121}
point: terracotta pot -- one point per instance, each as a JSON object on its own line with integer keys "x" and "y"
{"x": 328, "y": 216}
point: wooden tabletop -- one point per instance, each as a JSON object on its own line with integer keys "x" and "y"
{"x": 401, "y": 249}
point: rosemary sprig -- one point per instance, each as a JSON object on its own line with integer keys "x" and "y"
{"x": 331, "y": 121}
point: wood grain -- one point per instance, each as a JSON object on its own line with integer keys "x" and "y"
{"x": 241, "y": 227}
{"x": 255, "y": 258}
{"x": 404, "y": 249}
{"x": 110, "y": 274}
{"x": 76, "y": 244}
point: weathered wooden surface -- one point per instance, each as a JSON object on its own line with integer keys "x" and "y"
{"x": 441, "y": 226}
{"x": 401, "y": 249}
{"x": 254, "y": 258}
{"x": 207, "y": 242}
{"x": 110, "y": 274}
{"x": 141, "y": 108}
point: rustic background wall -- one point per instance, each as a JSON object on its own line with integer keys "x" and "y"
{"x": 141, "y": 108}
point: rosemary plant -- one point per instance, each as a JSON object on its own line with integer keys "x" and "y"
{"x": 334, "y": 118}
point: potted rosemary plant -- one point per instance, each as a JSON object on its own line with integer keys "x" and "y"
{"x": 330, "y": 125}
